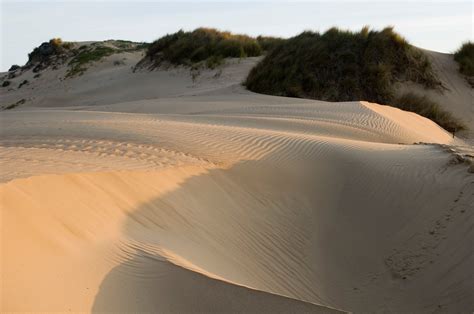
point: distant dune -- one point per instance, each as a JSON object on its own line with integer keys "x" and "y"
{"x": 178, "y": 190}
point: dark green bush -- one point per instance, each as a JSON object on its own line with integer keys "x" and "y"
{"x": 187, "y": 48}
{"x": 341, "y": 65}
{"x": 428, "y": 109}
{"x": 465, "y": 57}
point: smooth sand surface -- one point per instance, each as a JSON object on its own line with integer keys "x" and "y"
{"x": 202, "y": 197}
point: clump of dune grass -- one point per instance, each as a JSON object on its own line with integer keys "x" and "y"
{"x": 205, "y": 45}
{"x": 427, "y": 108}
{"x": 465, "y": 58}
{"x": 341, "y": 65}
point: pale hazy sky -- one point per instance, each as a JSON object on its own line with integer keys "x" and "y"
{"x": 435, "y": 25}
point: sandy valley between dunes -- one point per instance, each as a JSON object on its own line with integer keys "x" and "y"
{"x": 200, "y": 196}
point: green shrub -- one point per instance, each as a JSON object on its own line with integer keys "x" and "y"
{"x": 465, "y": 58}
{"x": 428, "y": 109}
{"x": 187, "y": 48}
{"x": 340, "y": 66}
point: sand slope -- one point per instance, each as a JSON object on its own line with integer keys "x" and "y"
{"x": 457, "y": 96}
{"x": 106, "y": 82}
{"x": 220, "y": 200}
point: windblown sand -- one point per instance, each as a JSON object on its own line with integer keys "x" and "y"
{"x": 198, "y": 196}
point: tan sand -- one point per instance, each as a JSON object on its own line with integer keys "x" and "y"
{"x": 457, "y": 96}
{"x": 206, "y": 198}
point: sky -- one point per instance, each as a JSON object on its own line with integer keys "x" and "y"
{"x": 434, "y": 25}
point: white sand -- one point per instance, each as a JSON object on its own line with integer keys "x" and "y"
{"x": 176, "y": 196}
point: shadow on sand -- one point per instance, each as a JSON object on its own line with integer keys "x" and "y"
{"x": 219, "y": 199}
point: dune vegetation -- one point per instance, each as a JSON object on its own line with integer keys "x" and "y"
{"x": 427, "y": 108}
{"x": 86, "y": 55}
{"x": 268, "y": 43}
{"x": 207, "y": 45}
{"x": 464, "y": 56}
{"x": 341, "y": 65}
{"x": 47, "y": 50}
{"x": 336, "y": 65}
{"x": 56, "y": 52}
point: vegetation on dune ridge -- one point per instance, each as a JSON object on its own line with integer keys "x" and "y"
{"x": 56, "y": 52}
{"x": 44, "y": 53}
{"x": 464, "y": 56}
{"x": 341, "y": 65}
{"x": 207, "y": 45}
{"x": 80, "y": 60}
{"x": 267, "y": 43}
{"x": 427, "y": 108}
{"x": 97, "y": 51}
{"x": 337, "y": 65}
{"x": 127, "y": 45}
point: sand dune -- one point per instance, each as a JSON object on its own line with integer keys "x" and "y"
{"x": 213, "y": 199}
{"x": 457, "y": 95}
{"x": 108, "y": 83}
{"x": 86, "y": 262}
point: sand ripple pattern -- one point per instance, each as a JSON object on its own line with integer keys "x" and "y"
{"x": 314, "y": 201}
